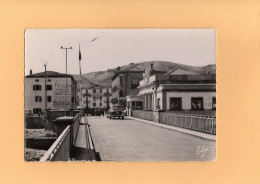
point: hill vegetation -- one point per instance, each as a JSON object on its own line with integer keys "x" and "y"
{"x": 104, "y": 77}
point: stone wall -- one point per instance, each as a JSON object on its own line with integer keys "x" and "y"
{"x": 34, "y": 122}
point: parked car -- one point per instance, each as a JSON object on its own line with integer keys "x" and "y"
{"x": 115, "y": 112}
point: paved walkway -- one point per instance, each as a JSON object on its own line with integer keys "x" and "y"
{"x": 83, "y": 151}
{"x": 132, "y": 140}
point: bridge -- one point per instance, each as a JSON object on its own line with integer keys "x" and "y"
{"x": 97, "y": 138}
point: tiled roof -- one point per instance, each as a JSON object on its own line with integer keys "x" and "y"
{"x": 48, "y": 74}
{"x": 98, "y": 86}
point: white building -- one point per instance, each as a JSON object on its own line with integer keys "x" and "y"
{"x": 175, "y": 91}
{"x": 97, "y": 96}
{"x": 58, "y": 95}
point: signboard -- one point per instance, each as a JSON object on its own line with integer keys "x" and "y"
{"x": 62, "y": 93}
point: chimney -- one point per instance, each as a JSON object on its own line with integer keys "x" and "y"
{"x": 118, "y": 68}
{"x": 30, "y": 71}
{"x": 151, "y": 66}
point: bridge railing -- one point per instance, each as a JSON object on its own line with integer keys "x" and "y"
{"x": 147, "y": 115}
{"x": 75, "y": 127}
{"x": 200, "y": 123}
{"x": 62, "y": 147}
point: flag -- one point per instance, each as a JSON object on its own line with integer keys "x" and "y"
{"x": 79, "y": 61}
{"x": 79, "y": 54}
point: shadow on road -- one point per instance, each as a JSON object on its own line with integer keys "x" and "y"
{"x": 84, "y": 154}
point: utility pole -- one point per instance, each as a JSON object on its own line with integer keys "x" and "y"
{"x": 66, "y": 48}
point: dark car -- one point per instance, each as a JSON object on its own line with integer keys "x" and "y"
{"x": 114, "y": 112}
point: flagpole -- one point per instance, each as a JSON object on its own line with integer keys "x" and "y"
{"x": 81, "y": 97}
{"x": 80, "y": 72}
{"x": 79, "y": 61}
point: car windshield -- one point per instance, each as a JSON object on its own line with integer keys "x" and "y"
{"x": 116, "y": 108}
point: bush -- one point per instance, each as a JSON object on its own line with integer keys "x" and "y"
{"x": 50, "y": 134}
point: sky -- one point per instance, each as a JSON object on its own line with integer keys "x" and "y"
{"x": 116, "y": 47}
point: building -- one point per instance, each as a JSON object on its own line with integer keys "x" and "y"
{"x": 97, "y": 96}
{"x": 126, "y": 81}
{"x": 79, "y": 99}
{"x": 175, "y": 91}
{"x": 58, "y": 94}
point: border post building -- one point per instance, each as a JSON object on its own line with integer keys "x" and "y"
{"x": 179, "y": 90}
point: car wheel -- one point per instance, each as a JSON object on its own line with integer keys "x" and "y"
{"x": 123, "y": 117}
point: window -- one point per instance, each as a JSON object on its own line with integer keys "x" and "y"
{"x": 213, "y": 102}
{"x": 72, "y": 99}
{"x": 107, "y": 90}
{"x": 121, "y": 81}
{"x": 38, "y": 98}
{"x": 36, "y": 80}
{"x": 121, "y": 93}
{"x": 37, "y": 87}
{"x": 197, "y": 103}
{"x": 133, "y": 105}
{"x": 48, "y": 87}
{"x": 37, "y": 111}
{"x": 158, "y": 103}
{"x": 100, "y": 104}
{"x": 134, "y": 83}
{"x": 175, "y": 103}
{"x": 100, "y": 90}
{"x": 49, "y": 80}
{"x": 48, "y": 98}
{"x": 139, "y": 105}
{"x": 86, "y": 91}
{"x": 94, "y": 98}
{"x": 94, "y": 104}
{"x": 94, "y": 90}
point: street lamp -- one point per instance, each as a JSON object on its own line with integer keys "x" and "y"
{"x": 66, "y": 48}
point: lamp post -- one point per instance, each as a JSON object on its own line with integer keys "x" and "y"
{"x": 66, "y": 48}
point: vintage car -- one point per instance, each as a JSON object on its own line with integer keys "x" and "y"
{"x": 115, "y": 112}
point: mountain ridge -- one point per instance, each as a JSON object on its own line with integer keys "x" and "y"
{"x": 104, "y": 77}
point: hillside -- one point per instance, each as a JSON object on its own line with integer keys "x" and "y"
{"x": 209, "y": 68}
{"x": 104, "y": 77}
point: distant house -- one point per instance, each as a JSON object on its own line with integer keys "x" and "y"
{"x": 126, "y": 81}
{"x": 58, "y": 95}
{"x": 97, "y": 96}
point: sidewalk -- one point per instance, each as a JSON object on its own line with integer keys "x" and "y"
{"x": 83, "y": 150}
{"x": 183, "y": 130}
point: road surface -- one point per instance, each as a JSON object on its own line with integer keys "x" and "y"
{"x": 131, "y": 140}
